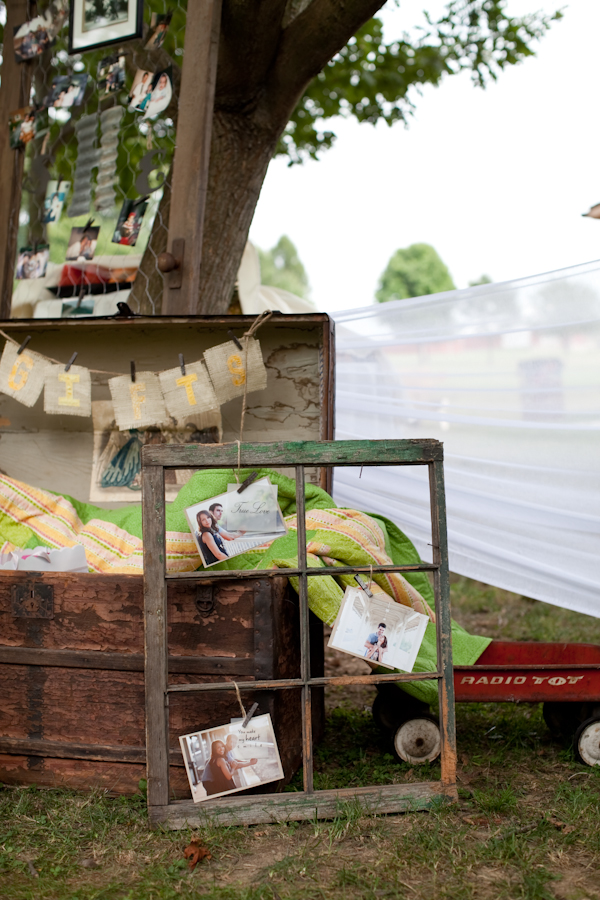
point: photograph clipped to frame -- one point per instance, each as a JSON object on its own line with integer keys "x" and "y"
{"x": 231, "y": 758}
{"x": 229, "y": 524}
{"x": 99, "y": 23}
{"x": 378, "y": 630}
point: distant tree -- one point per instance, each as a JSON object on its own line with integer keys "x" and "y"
{"x": 413, "y": 272}
{"x": 483, "y": 279}
{"x": 281, "y": 267}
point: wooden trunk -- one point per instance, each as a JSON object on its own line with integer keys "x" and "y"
{"x": 72, "y": 645}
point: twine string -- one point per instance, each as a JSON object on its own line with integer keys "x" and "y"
{"x": 239, "y": 696}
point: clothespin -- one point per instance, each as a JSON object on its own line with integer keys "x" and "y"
{"x": 249, "y": 714}
{"x": 247, "y": 482}
{"x": 125, "y": 310}
{"x": 132, "y": 364}
{"x": 363, "y": 586}
{"x": 234, "y": 339}
{"x": 71, "y": 361}
{"x": 87, "y": 225}
{"x": 24, "y": 344}
{"x": 182, "y": 363}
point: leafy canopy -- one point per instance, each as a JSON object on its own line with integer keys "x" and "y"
{"x": 414, "y": 272}
{"x": 373, "y": 81}
{"x": 281, "y": 267}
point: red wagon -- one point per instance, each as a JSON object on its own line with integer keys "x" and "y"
{"x": 564, "y": 677}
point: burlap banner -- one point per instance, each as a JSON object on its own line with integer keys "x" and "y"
{"x": 22, "y": 375}
{"x": 190, "y": 393}
{"x": 230, "y": 370}
{"x": 68, "y": 393}
{"x": 138, "y": 403}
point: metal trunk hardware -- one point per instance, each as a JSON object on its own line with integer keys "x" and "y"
{"x": 33, "y": 600}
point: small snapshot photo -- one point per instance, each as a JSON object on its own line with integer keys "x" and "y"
{"x": 380, "y": 631}
{"x": 32, "y": 262}
{"x": 141, "y": 87}
{"x": 159, "y": 25}
{"x": 32, "y": 38}
{"x": 82, "y": 243}
{"x": 22, "y": 126}
{"x": 56, "y": 194}
{"x": 230, "y": 758}
{"x": 67, "y": 91}
{"x": 130, "y": 220}
{"x": 159, "y": 96}
{"x": 232, "y": 523}
{"x": 111, "y": 74}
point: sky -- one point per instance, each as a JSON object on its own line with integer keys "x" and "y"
{"x": 496, "y": 180}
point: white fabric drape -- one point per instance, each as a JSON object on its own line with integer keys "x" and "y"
{"x": 508, "y": 377}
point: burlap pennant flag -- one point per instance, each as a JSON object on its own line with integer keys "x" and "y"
{"x": 22, "y": 374}
{"x": 230, "y": 370}
{"x": 68, "y": 393}
{"x": 138, "y": 403}
{"x": 190, "y": 393}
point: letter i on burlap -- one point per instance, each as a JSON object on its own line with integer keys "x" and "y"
{"x": 68, "y": 393}
{"x": 190, "y": 393}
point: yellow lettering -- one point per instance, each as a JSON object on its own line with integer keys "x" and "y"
{"x": 68, "y": 379}
{"x": 234, "y": 364}
{"x": 187, "y": 381}
{"x": 137, "y": 397}
{"x": 20, "y": 372}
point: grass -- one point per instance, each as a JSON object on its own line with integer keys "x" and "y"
{"x": 526, "y": 826}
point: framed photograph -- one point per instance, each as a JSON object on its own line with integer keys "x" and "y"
{"x": 130, "y": 220}
{"x": 22, "y": 126}
{"x": 82, "y": 243}
{"x": 230, "y": 758}
{"x": 33, "y": 262}
{"x": 378, "y": 630}
{"x": 232, "y": 523}
{"x": 99, "y": 23}
{"x": 56, "y": 194}
{"x": 111, "y": 74}
{"x": 159, "y": 25}
{"x": 67, "y": 91}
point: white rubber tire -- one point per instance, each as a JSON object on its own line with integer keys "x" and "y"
{"x": 587, "y": 742}
{"x": 418, "y": 741}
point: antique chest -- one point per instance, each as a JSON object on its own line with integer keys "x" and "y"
{"x": 71, "y": 645}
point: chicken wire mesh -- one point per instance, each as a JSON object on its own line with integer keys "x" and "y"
{"x": 96, "y": 146}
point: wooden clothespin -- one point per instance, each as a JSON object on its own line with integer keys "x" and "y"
{"x": 132, "y": 365}
{"x": 247, "y": 482}
{"x": 24, "y": 344}
{"x": 234, "y": 339}
{"x": 182, "y": 363}
{"x": 363, "y": 586}
{"x": 87, "y": 225}
{"x": 71, "y": 361}
{"x": 249, "y": 715}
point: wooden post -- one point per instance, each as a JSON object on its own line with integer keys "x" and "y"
{"x": 192, "y": 153}
{"x": 14, "y": 94}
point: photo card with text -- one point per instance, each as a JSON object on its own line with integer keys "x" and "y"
{"x": 378, "y": 630}
{"x": 229, "y": 758}
{"x": 232, "y": 523}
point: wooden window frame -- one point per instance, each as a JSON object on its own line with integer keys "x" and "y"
{"x": 309, "y": 803}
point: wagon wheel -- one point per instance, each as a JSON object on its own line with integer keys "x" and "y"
{"x": 392, "y": 706}
{"x": 418, "y": 740}
{"x": 564, "y": 718}
{"x": 586, "y": 742}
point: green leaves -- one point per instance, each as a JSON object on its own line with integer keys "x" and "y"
{"x": 373, "y": 81}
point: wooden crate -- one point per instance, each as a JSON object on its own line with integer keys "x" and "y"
{"x": 72, "y": 686}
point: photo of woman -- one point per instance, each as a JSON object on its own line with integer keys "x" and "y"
{"x": 160, "y": 97}
{"x": 217, "y": 776}
{"x": 376, "y": 644}
{"x": 213, "y": 549}
{"x": 140, "y": 89}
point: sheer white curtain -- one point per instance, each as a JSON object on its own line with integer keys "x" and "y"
{"x": 508, "y": 377}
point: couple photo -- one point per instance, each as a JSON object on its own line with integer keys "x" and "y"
{"x": 151, "y": 93}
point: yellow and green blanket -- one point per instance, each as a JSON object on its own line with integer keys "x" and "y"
{"x": 32, "y": 517}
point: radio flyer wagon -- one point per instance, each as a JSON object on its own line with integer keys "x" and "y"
{"x": 564, "y": 677}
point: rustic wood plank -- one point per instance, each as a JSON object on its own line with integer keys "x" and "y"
{"x": 192, "y": 152}
{"x": 155, "y": 634}
{"x": 242, "y": 574}
{"x": 248, "y": 810}
{"x": 305, "y": 453}
{"x": 123, "y": 662}
{"x": 14, "y": 94}
{"x": 288, "y": 683}
{"x": 441, "y": 580}
{"x": 307, "y": 738}
{"x": 70, "y": 750}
